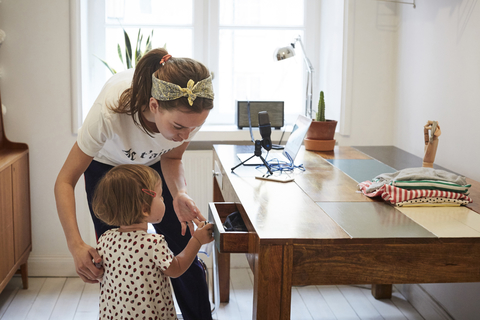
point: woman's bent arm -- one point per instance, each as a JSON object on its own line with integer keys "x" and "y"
{"x": 173, "y": 172}
{"x": 75, "y": 165}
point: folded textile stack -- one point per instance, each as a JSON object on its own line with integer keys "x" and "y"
{"x": 419, "y": 187}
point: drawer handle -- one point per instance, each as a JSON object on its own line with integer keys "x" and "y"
{"x": 216, "y": 174}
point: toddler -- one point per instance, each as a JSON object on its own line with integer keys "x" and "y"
{"x": 138, "y": 264}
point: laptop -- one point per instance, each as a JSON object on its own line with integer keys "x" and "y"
{"x": 291, "y": 149}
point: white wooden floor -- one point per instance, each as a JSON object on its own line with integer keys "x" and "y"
{"x": 71, "y": 299}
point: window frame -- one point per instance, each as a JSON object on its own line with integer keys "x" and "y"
{"x": 205, "y": 36}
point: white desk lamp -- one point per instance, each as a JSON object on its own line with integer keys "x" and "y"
{"x": 288, "y": 52}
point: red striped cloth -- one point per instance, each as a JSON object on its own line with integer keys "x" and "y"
{"x": 396, "y": 194}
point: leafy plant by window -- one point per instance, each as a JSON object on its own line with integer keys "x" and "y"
{"x": 130, "y": 58}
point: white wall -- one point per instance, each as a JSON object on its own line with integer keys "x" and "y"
{"x": 371, "y": 45}
{"x": 329, "y": 74}
{"x": 36, "y": 91}
{"x": 439, "y": 79}
{"x": 408, "y": 66}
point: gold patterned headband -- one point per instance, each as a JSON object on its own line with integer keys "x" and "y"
{"x": 166, "y": 91}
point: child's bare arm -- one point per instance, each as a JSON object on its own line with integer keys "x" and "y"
{"x": 182, "y": 261}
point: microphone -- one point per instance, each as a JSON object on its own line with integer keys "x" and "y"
{"x": 265, "y": 129}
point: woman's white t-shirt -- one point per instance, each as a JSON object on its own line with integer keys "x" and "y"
{"x": 113, "y": 138}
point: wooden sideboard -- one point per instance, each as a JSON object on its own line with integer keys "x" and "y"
{"x": 15, "y": 224}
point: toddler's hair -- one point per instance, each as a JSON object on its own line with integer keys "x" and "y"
{"x": 176, "y": 70}
{"x": 119, "y": 199}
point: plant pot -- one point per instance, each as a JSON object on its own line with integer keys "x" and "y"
{"x": 320, "y": 136}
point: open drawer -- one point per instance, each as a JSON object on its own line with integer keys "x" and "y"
{"x": 226, "y": 241}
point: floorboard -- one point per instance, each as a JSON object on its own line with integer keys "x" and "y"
{"x": 67, "y": 303}
{"x": 23, "y": 300}
{"x": 9, "y": 293}
{"x": 299, "y": 309}
{"x": 405, "y": 307}
{"x": 229, "y": 310}
{"x": 71, "y": 299}
{"x": 315, "y": 302}
{"x": 243, "y": 289}
{"x": 362, "y": 306}
{"x": 385, "y": 307}
{"x": 46, "y": 299}
{"x": 337, "y": 303}
{"x": 88, "y": 303}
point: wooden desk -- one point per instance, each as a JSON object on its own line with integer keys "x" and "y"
{"x": 319, "y": 231}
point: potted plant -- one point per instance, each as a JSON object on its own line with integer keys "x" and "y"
{"x": 131, "y": 56}
{"x": 321, "y": 132}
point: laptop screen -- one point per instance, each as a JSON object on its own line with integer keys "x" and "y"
{"x": 297, "y": 135}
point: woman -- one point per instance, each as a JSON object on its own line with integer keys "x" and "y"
{"x": 143, "y": 117}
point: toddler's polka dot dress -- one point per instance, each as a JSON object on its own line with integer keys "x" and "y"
{"x": 133, "y": 285}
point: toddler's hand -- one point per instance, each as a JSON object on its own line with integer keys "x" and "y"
{"x": 204, "y": 232}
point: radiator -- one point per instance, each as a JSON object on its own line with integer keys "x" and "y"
{"x": 198, "y": 173}
{"x": 198, "y": 165}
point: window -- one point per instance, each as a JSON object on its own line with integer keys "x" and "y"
{"x": 235, "y": 39}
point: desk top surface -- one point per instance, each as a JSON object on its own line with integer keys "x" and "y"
{"x": 323, "y": 203}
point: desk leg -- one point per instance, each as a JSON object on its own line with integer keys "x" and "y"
{"x": 223, "y": 264}
{"x": 382, "y": 291}
{"x": 273, "y": 283}
{"x": 221, "y": 259}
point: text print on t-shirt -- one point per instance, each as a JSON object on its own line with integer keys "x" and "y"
{"x": 150, "y": 155}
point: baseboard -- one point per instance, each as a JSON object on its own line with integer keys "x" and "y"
{"x": 423, "y": 302}
{"x": 51, "y": 266}
{"x": 63, "y": 266}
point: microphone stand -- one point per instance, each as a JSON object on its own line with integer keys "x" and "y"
{"x": 258, "y": 144}
{"x": 257, "y": 153}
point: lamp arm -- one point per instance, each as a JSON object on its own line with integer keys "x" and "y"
{"x": 307, "y": 61}
{"x": 309, "y": 89}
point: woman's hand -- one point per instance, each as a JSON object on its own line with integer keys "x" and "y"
{"x": 84, "y": 257}
{"x": 173, "y": 174}
{"x": 186, "y": 211}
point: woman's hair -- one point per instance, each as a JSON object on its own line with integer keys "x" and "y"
{"x": 119, "y": 199}
{"x": 175, "y": 70}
